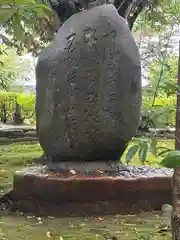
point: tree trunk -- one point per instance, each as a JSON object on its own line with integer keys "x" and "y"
{"x": 176, "y": 205}
{"x": 17, "y": 119}
{"x": 176, "y": 176}
{"x": 3, "y": 113}
{"x": 127, "y": 9}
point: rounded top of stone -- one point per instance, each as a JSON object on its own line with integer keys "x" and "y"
{"x": 95, "y": 3}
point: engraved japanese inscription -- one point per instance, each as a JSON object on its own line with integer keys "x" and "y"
{"x": 88, "y": 107}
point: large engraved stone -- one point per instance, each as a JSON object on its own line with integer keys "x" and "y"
{"x": 88, "y": 88}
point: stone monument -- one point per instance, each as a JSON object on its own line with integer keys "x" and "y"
{"x": 87, "y": 110}
{"x": 88, "y": 91}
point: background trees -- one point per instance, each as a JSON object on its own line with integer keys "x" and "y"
{"x": 25, "y": 24}
{"x": 28, "y": 25}
{"x": 13, "y": 69}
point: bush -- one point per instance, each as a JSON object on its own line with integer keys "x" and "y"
{"x": 26, "y": 102}
{"x": 162, "y": 114}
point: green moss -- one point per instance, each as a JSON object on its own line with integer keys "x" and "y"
{"x": 13, "y": 157}
{"x": 144, "y": 227}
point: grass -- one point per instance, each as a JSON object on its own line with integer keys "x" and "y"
{"x": 137, "y": 227}
{"x": 13, "y": 157}
{"x": 17, "y": 227}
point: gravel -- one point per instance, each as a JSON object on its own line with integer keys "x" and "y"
{"x": 143, "y": 171}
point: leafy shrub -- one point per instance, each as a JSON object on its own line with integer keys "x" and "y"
{"x": 163, "y": 112}
{"x": 159, "y": 97}
{"x": 26, "y": 101}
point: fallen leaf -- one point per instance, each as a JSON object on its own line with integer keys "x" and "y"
{"x": 29, "y": 217}
{"x": 71, "y": 226}
{"x": 40, "y": 222}
{"x": 100, "y": 171}
{"x": 72, "y": 171}
{"x": 97, "y": 236}
{"x": 82, "y": 224}
{"x": 48, "y": 235}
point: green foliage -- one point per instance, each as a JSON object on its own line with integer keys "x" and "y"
{"x": 141, "y": 146}
{"x": 12, "y": 69}
{"x": 156, "y": 17}
{"x": 143, "y": 151}
{"x": 26, "y": 101}
{"x": 162, "y": 71}
{"x": 25, "y": 24}
{"x": 163, "y": 112}
{"x": 167, "y": 85}
{"x": 159, "y": 97}
{"x": 10, "y": 7}
{"x": 31, "y": 24}
{"x": 172, "y": 160}
{"x": 153, "y": 147}
{"x": 169, "y": 158}
{"x": 131, "y": 153}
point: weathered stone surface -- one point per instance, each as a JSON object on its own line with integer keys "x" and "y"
{"x": 142, "y": 189}
{"x": 88, "y": 88}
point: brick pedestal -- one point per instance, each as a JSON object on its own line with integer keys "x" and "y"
{"x": 51, "y": 194}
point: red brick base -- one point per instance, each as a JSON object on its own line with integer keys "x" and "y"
{"x": 52, "y": 195}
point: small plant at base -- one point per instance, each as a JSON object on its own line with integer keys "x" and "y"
{"x": 170, "y": 158}
{"x": 142, "y": 147}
